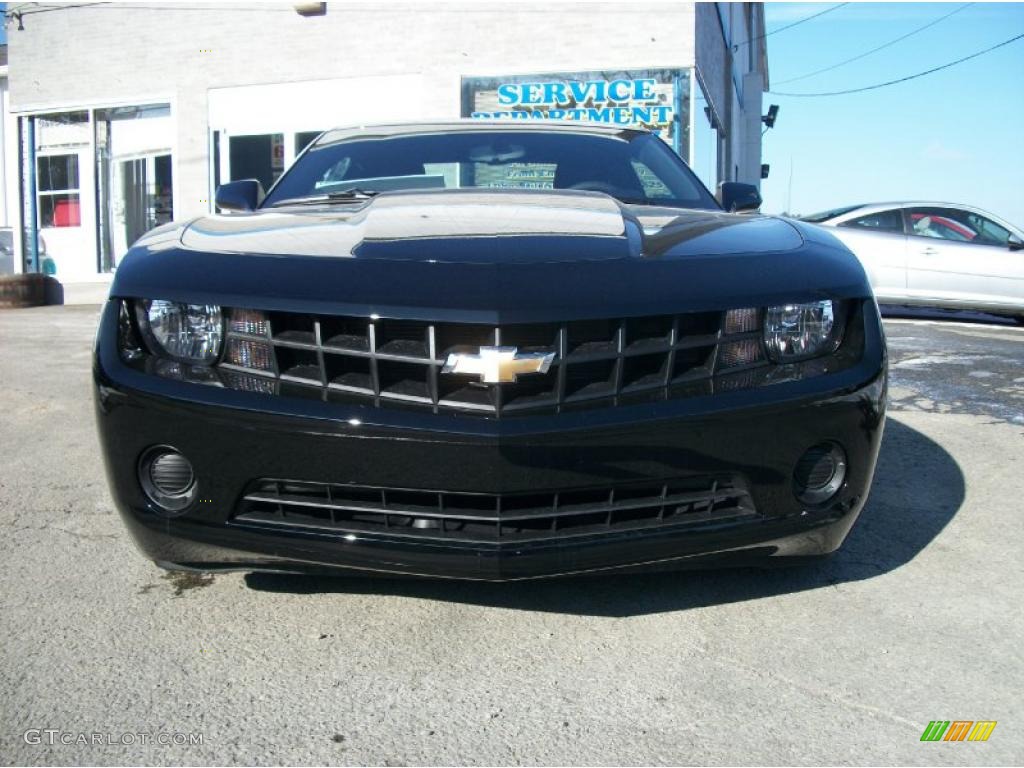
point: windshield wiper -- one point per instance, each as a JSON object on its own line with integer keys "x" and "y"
{"x": 345, "y": 195}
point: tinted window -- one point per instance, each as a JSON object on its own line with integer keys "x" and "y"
{"x": 257, "y": 157}
{"x": 957, "y": 225}
{"x": 304, "y": 138}
{"x": 636, "y": 168}
{"x": 57, "y": 173}
{"x": 57, "y": 190}
{"x": 884, "y": 221}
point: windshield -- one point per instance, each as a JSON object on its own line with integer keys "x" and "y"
{"x": 635, "y": 168}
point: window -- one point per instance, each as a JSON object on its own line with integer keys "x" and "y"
{"x": 258, "y": 157}
{"x": 57, "y": 185}
{"x": 303, "y": 139}
{"x": 883, "y": 221}
{"x": 634, "y": 167}
{"x": 957, "y": 225}
{"x": 989, "y": 233}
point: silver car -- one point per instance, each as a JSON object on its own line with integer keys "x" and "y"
{"x": 935, "y": 254}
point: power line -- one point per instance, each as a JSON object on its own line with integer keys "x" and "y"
{"x": 903, "y": 79}
{"x": 35, "y": 8}
{"x": 879, "y": 48}
{"x": 796, "y": 23}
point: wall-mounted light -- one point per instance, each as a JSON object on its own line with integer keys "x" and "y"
{"x": 765, "y": 170}
{"x": 310, "y": 9}
{"x": 773, "y": 113}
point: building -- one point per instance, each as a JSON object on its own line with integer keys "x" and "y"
{"x": 8, "y": 179}
{"x": 146, "y": 109}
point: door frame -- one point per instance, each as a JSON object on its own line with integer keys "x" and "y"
{"x": 32, "y": 111}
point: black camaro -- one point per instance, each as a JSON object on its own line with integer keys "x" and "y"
{"x": 488, "y": 351}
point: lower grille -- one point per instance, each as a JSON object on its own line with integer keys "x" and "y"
{"x": 491, "y": 518}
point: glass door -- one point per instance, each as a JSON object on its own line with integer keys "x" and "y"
{"x": 64, "y": 214}
{"x": 142, "y": 199}
{"x": 59, "y": 183}
{"x": 133, "y": 158}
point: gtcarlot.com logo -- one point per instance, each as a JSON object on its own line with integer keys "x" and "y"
{"x": 54, "y": 736}
{"x": 958, "y": 730}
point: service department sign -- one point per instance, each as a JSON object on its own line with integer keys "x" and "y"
{"x": 656, "y": 99}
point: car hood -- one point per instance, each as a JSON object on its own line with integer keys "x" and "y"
{"x": 485, "y": 226}
{"x": 489, "y": 257}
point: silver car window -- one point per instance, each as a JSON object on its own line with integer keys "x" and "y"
{"x": 882, "y": 221}
{"x": 956, "y": 225}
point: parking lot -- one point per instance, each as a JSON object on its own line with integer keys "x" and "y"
{"x": 916, "y": 619}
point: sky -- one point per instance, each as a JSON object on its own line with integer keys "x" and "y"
{"x": 952, "y": 136}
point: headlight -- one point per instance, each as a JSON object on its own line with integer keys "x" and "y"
{"x": 188, "y": 333}
{"x": 799, "y": 331}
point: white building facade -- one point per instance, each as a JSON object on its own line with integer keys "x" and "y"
{"x": 147, "y": 109}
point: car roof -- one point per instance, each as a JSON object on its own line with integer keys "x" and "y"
{"x": 470, "y": 125}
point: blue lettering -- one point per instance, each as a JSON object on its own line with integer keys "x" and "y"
{"x": 507, "y": 94}
{"x": 644, "y": 89}
{"x": 620, "y": 90}
{"x": 531, "y": 93}
{"x": 641, "y": 114}
{"x": 580, "y": 92}
{"x": 554, "y": 93}
{"x": 621, "y": 114}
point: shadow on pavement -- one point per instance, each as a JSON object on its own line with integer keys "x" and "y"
{"x": 917, "y": 490}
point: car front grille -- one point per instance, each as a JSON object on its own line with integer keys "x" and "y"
{"x": 396, "y": 363}
{"x": 342, "y": 510}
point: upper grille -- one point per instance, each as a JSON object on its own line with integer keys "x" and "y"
{"x": 398, "y": 362}
{"x": 492, "y": 518}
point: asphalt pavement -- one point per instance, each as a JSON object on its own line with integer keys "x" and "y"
{"x": 917, "y": 618}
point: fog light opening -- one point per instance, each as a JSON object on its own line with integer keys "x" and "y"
{"x": 167, "y": 478}
{"x": 820, "y": 473}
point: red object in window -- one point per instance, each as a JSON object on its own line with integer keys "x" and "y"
{"x": 948, "y": 224}
{"x": 66, "y": 213}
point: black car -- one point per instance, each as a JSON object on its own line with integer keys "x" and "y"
{"x": 488, "y": 351}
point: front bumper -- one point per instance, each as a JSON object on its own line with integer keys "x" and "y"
{"x": 234, "y": 438}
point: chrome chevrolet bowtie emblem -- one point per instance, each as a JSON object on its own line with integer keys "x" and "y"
{"x": 496, "y": 365}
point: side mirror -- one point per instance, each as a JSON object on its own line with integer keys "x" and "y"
{"x": 1014, "y": 243}
{"x": 736, "y": 197}
{"x": 244, "y": 195}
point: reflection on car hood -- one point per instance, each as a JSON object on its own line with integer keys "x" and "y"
{"x": 492, "y": 226}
